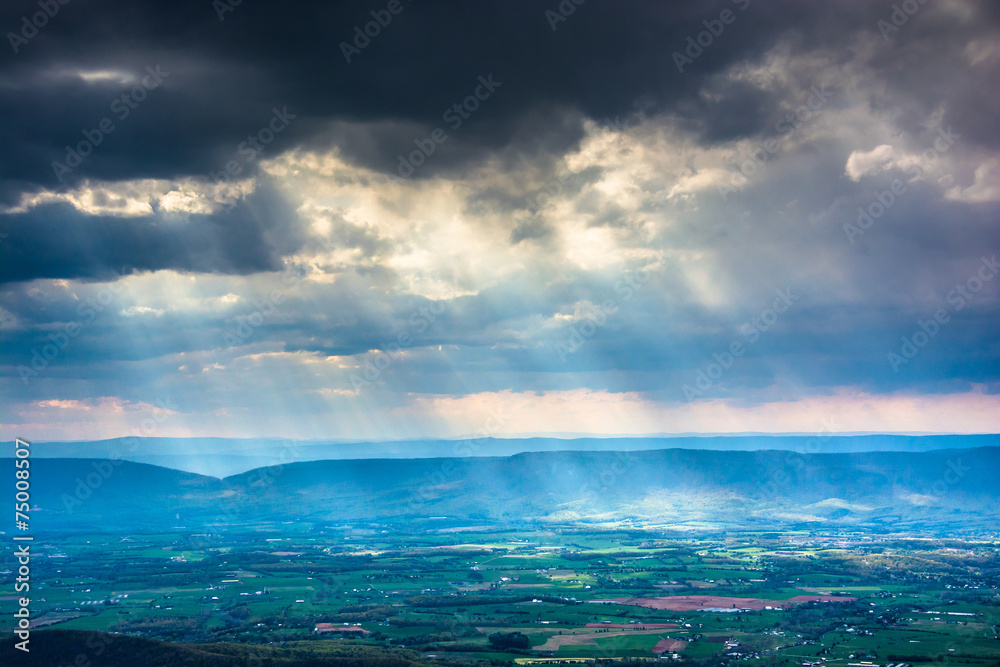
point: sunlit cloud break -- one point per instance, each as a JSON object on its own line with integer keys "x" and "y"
{"x": 713, "y": 218}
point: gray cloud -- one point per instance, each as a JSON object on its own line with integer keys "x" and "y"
{"x": 553, "y": 209}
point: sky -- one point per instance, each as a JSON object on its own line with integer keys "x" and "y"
{"x": 426, "y": 219}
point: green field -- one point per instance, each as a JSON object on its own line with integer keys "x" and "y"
{"x": 453, "y": 595}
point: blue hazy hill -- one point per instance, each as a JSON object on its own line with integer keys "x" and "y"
{"x": 221, "y": 457}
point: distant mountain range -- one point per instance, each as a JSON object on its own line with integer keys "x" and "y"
{"x": 220, "y": 457}
{"x": 943, "y": 490}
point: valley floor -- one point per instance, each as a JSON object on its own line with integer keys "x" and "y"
{"x": 466, "y": 594}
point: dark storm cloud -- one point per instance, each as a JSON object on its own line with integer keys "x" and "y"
{"x": 225, "y": 76}
{"x": 718, "y": 261}
{"x": 58, "y": 241}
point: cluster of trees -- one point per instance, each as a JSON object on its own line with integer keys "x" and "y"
{"x": 462, "y": 600}
{"x": 71, "y": 647}
{"x": 505, "y": 640}
{"x": 175, "y": 628}
{"x": 424, "y": 639}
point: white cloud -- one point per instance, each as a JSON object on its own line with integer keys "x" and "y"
{"x": 985, "y": 187}
{"x": 863, "y": 163}
{"x": 140, "y": 197}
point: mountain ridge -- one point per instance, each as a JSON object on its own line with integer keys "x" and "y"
{"x": 940, "y": 489}
{"x": 223, "y": 457}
